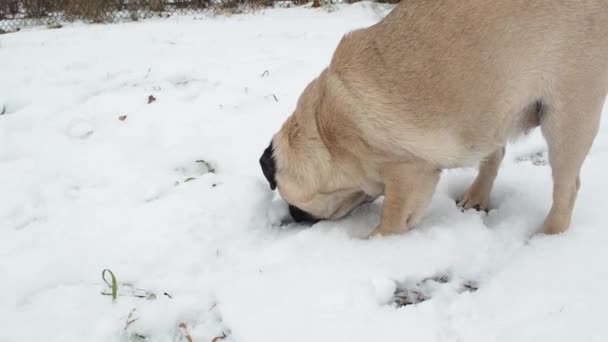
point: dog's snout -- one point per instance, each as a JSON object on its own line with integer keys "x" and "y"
{"x": 300, "y": 215}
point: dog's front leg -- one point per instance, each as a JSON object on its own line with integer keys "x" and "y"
{"x": 408, "y": 188}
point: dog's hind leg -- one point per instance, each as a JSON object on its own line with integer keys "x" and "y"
{"x": 478, "y": 195}
{"x": 569, "y": 128}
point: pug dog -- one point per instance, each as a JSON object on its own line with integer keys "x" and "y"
{"x": 444, "y": 84}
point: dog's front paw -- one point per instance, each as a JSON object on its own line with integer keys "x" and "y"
{"x": 555, "y": 224}
{"x": 374, "y": 234}
{"x": 474, "y": 199}
{"x": 381, "y": 231}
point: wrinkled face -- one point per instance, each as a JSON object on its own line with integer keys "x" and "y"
{"x": 309, "y": 207}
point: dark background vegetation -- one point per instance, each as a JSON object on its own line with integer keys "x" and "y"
{"x": 15, "y": 14}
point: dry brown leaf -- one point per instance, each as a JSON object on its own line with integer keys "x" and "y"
{"x": 151, "y": 99}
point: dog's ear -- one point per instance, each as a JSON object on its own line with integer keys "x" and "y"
{"x": 269, "y": 166}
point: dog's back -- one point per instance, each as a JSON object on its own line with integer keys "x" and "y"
{"x": 465, "y": 75}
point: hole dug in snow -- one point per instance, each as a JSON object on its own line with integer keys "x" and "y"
{"x": 191, "y": 171}
{"x": 408, "y": 293}
{"x": 536, "y": 158}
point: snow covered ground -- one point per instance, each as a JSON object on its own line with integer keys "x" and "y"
{"x": 92, "y": 176}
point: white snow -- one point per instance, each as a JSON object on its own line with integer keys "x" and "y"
{"x": 82, "y": 190}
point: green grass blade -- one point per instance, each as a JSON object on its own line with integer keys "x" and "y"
{"x": 113, "y": 284}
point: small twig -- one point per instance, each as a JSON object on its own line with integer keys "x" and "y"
{"x": 265, "y": 73}
{"x": 133, "y": 292}
{"x": 3, "y": 110}
{"x": 470, "y": 286}
{"x": 208, "y": 165}
{"x": 168, "y": 295}
{"x": 217, "y": 338}
{"x": 150, "y": 296}
{"x": 148, "y": 73}
{"x": 129, "y": 320}
{"x": 183, "y": 328}
{"x": 273, "y": 96}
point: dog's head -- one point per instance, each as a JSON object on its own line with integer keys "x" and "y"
{"x": 298, "y": 163}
